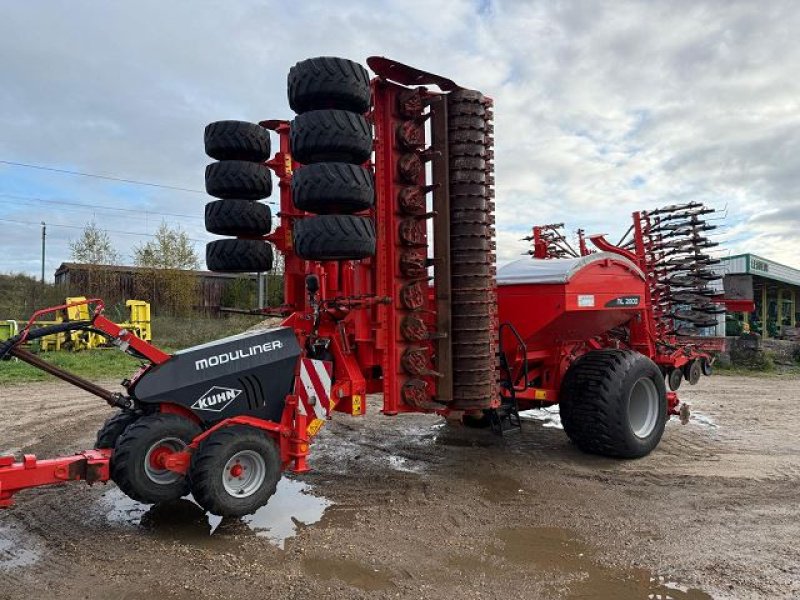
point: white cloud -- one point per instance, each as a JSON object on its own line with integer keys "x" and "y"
{"x": 601, "y": 108}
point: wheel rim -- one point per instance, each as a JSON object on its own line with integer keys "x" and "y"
{"x": 643, "y": 407}
{"x": 154, "y": 460}
{"x": 244, "y": 473}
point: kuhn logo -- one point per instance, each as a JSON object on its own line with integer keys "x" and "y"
{"x": 216, "y": 399}
{"x": 221, "y": 359}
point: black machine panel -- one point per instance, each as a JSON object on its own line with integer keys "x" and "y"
{"x": 246, "y": 374}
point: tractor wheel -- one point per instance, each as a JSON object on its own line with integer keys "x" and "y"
{"x": 237, "y": 140}
{"x": 239, "y": 256}
{"x": 326, "y": 188}
{"x": 692, "y": 371}
{"x": 238, "y": 217}
{"x": 331, "y": 136}
{"x": 235, "y": 471}
{"x": 334, "y": 237}
{"x": 113, "y": 427}
{"x": 328, "y": 82}
{"x": 136, "y": 467}
{"x": 675, "y": 379}
{"x": 614, "y": 403}
{"x": 238, "y": 179}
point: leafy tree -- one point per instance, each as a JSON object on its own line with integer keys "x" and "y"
{"x": 170, "y": 257}
{"x": 170, "y": 249}
{"x": 94, "y": 247}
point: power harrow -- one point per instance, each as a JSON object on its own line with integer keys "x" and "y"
{"x": 386, "y": 225}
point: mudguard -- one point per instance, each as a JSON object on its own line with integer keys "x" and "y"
{"x": 245, "y": 374}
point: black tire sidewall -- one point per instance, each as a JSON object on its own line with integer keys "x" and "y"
{"x": 205, "y": 475}
{"x": 643, "y": 367}
{"x": 238, "y": 217}
{"x": 114, "y": 427}
{"x": 239, "y": 256}
{"x": 127, "y": 463}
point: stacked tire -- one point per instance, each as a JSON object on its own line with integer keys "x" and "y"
{"x": 239, "y": 179}
{"x": 332, "y": 139}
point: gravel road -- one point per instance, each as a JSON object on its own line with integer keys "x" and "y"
{"x": 410, "y": 507}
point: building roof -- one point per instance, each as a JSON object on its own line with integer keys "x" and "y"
{"x": 752, "y": 264}
{"x": 70, "y": 266}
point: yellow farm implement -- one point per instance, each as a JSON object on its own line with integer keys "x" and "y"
{"x": 138, "y": 323}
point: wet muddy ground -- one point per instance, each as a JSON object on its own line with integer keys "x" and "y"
{"x": 408, "y": 507}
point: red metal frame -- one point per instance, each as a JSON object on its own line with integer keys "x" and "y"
{"x": 647, "y": 331}
{"x": 356, "y": 314}
{"x": 90, "y": 465}
{"x": 360, "y": 302}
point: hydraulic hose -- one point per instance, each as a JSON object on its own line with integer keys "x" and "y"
{"x": 39, "y": 332}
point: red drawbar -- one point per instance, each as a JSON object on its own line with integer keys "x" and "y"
{"x": 90, "y": 465}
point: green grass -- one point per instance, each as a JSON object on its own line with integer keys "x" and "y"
{"x": 182, "y": 332}
{"x": 169, "y": 333}
{"x": 768, "y": 368}
{"x": 106, "y": 363}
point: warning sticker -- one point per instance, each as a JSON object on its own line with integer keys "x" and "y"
{"x": 585, "y": 300}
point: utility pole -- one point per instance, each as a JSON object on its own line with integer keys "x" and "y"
{"x": 44, "y": 236}
{"x": 261, "y": 277}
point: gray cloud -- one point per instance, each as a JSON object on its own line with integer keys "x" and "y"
{"x": 601, "y": 108}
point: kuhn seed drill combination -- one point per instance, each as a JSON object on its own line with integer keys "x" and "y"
{"x": 386, "y": 224}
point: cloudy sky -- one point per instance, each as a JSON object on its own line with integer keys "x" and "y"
{"x": 602, "y": 108}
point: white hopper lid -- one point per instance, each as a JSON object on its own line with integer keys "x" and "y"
{"x": 554, "y": 270}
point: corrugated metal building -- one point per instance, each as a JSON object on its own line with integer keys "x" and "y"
{"x": 773, "y": 287}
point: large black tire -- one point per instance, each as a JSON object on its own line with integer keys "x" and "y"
{"x": 238, "y": 179}
{"x": 239, "y": 256}
{"x": 328, "y": 82}
{"x": 228, "y": 493}
{"x": 601, "y": 402}
{"x": 131, "y": 466}
{"x": 333, "y": 188}
{"x": 113, "y": 427}
{"x": 330, "y": 136}
{"x": 334, "y": 237}
{"x": 238, "y": 217}
{"x": 237, "y": 140}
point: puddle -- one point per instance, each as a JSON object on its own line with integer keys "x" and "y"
{"x": 183, "y": 520}
{"x": 350, "y": 572}
{"x": 549, "y": 416}
{"x": 555, "y": 549}
{"x": 12, "y": 552}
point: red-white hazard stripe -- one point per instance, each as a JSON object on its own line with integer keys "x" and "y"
{"x": 314, "y": 388}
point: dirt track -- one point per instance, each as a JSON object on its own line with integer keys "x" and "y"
{"x": 423, "y": 510}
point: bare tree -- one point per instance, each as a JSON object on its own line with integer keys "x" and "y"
{"x": 94, "y": 247}
{"x": 170, "y": 249}
{"x": 170, "y": 257}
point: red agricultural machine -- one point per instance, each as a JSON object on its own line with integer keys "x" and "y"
{"x": 386, "y": 224}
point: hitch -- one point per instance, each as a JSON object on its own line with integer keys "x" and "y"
{"x": 90, "y": 465}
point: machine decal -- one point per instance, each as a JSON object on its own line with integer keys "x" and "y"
{"x": 221, "y": 359}
{"x": 216, "y": 399}
{"x": 623, "y": 301}
{"x": 586, "y": 300}
{"x": 314, "y": 390}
